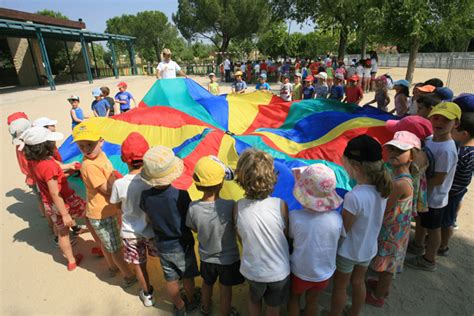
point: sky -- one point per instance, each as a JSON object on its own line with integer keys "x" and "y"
{"x": 95, "y": 12}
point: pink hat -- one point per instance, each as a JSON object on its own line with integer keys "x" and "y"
{"x": 315, "y": 188}
{"x": 415, "y": 124}
{"x": 405, "y": 140}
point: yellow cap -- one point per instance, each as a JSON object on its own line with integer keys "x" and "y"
{"x": 238, "y": 73}
{"x": 84, "y": 131}
{"x": 209, "y": 172}
{"x": 450, "y": 110}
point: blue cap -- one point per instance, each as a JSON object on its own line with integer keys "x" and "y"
{"x": 444, "y": 93}
{"x": 264, "y": 76}
{"x": 96, "y": 92}
{"x": 465, "y": 102}
{"x": 402, "y": 82}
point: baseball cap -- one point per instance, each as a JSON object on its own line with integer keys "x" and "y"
{"x": 84, "y": 131}
{"x": 238, "y": 73}
{"x": 122, "y": 84}
{"x": 354, "y": 78}
{"x": 73, "y": 98}
{"x": 38, "y": 134}
{"x": 402, "y": 82}
{"x": 450, "y": 110}
{"x": 264, "y": 76}
{"x": 309, "y": 78}
{"x": 465, "y": 102}
{"x": 208, "y": 172}
{"x": 44, "y": 121}
{"x": 322, "y": 75}
{"x": 415, "y": 124}
{"x": 297, "y": 74}
{"x": 363, "y": 148}
{"x": 444, "y": 93}
{"x": 134, "y": 147}
{"x": 405, "y": 140}
{"x": 426, "y": 88}
{"x": 212, "y": 74}
{"x": 15, "y": 116}
{"x": 96, "y": 92}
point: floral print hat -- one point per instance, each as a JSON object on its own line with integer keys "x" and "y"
{"x": 315, "y": 188}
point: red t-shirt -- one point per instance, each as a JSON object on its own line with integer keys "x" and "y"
{"x": 263, "y": 66}
{"x": 45, "y": 170}
{"x": 314, "y": 68}
{"x": 57, "y": 155}
{"x": 24, "y": 167}
{"x": 353, "y": 94}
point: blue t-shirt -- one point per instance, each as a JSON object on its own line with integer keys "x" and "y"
{"x": 167, "y": 210}
{"x": 79, "y": 115}
{"x": 321, "y": 91}
{"x": 239, "y": 85}
{"x": 100, "y": 106}
{"x": 308, "y": 92}
{"x": 285, "y": 69}
{"x": 124, "y": 96}
{"x": 336, "y": 93}
{"x": 262, "y": 86}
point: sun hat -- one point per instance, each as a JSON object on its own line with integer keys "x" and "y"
{"x": 238, "y": 73}
{"x": 353, "y": 78}
{"x": 17, "y": 127}
{"x": 263, "y": 76}
{"x": 212, "y": 74}
{"x": 450, "y": 110}
{"x": 160, "y": 166}
{"x": 166, "y": 51}
{"x": 15, "y": 116}
{"x": 84, "y": 131}
{"x": 322, "y": 75}
{"x": 122, "y": 84}
{"x": 315, "y": 188}
{"x": 415, "y": 124}
{"x": 363, "y": 148}
{"x": 134, "y": 147}
{"x": 73, "y": 98}
{"x": 208, "y": 172}
{"x": 96, "y": 92}
{"x": 405, "y": 140}
{"x": 44, "y": 121}
{"x": 402, "y": 82}
{"x": 309, "y": 78}
{"x": 37, "y": 135}
{"x": 465, "y": 102}
{"x": 339, "y": 76}
{"x": 444, "y": 93}
{"x": 426, "y": 88}
{"x": 297, "y": 74}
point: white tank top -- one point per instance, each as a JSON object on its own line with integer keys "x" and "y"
{"x": 265, "y": 253}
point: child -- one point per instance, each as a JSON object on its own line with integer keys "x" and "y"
{"x": 211, "y": 218}
{"x": 315, "y": 232}
{"x": 425, "y": 104}
{"x": 262, "y": 84}
{"x": 213, "y": 86}
{"x": 418, "y": 90}
{"x": 98, "y": 177}
{"x": 297, "y": 88}
{"x": 337, "y": 90}
{"x": 166, "y": 208}
{"x": 401, "y": 97}
{"x": 308, "y": 89}
{"x": 354, "y": 93}
{"x": 262, "y": 224}
{"x": 136, "y": 232}
{"x": 114, "y": 108}
{"x": 238, "y": 86}
{"x": 123, "y": 97}
{"x": 77, "y": 116}
{"x": 463, "y": 134}
{"x": 100, "y": 107}
{"x": 444, "y": 117}
{"x": 360, "y": 73}
{"x": 362, "y": 216}
{"x": 321, "y": 88}
{"x": 381, "y": 93}
{"x": 395, "y": 232}
{"x": 367, "y": 76}
{"x": 286, "y": 89}
{"x": 62, "y": 203}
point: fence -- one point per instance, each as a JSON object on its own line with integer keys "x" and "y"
{"x": 461, "y": 75}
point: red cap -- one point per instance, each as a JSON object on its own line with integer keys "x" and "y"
{"x": 15, "y": 116}
{"x": 309, "y": 78}
{"x": 134, "y": 147}
{"x": 354, "y": 78}
{"x": 415, "y": 124}
{"x": 426, "y": 88}
{"x": 122, "y": 84}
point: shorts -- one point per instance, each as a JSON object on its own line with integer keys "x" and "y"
{"x": 432, "y": 219}
{"x": 299, "y": 286}
{"x": 274, "y": 293}
{"x": 450, "y": 210}
{"x": 124, "y": 110}
{"x": 229, "y": 275}
{"x": 136, "y": 250}
{"x": 108, "y": 231}
{"x": 179, "y": 265}
{"x": 345, "y": 265}
{"x": 74, "y": 204}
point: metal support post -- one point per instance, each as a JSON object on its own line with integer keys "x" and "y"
{"x": 44, "y": 55}
{"x": 114, "y": 58}
{"x": 95, "y": 61}
{"x": 131, "y": 51}
{"x": 69, "y": 61}
{"x": 86, "y": 59}
{"x": 34, "y": 62}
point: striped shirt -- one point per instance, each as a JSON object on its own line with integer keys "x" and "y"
{"x": 464, "y": 169}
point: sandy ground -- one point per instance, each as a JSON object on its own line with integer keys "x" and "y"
{"x": 34, "y": 279}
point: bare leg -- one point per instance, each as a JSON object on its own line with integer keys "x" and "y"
{"x": 172, "y": 287}
{"x": 312, "y": 299}
{"x": 206, "y": 291}
{"x": 226, "y": 299}
{"x": 339, "y": 295}
{"x": 108, "y": 258}
{"x": 383, "y": 285}
{"x": 188, "y": 285}
{"x": 117, "y": 258}
{"x": 142, "y": 276}
{"x": 255, "y": 308}
{"x": 65, "y": 244}
{"x": 93, "y": 233}
{"x": 358, "y": 289}
{"x": 420, "y": 233}
{"x": 272, "y": 311}
{"x": 294, "y": 304}
{"x": 432, "y": 244}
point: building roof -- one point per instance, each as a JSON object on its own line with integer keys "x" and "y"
{"x": 10, "y": 14}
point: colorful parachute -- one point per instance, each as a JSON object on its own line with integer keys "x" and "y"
{"x": 181, "y": 114}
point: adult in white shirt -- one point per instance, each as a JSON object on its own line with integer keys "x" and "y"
{"x": 227, "y": 69}
{"x": 167, "y": 68}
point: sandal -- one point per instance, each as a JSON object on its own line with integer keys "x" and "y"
{"x": 72, "y": 266}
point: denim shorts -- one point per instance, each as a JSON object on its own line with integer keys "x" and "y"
{"x": 449, "y": 213}
{"x": 179, "y": 265}
{"x": 345, "y": 265}
{"x": 108, "y": 231}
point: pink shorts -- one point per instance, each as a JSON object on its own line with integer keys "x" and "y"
{"x": 136, "y": 250}
{"x": 75, "y": 205}
{"x": 299, "y": 286}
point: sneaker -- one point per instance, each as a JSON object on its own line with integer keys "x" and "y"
{"x": 455, "y": 226}
{"x": 372, "y": 285}
{"x": 420, "y": 263}
{"x": 413, "y": 248}
{"x": 73, "y": 266}
{"x": 128, "y": 282}
{"x": 443, "y": 252}
{"x": 204, "y": 312}
{"x": 372, "y": 300}
{"x": 147, "y": 300}
{"x": 191, "y": 307}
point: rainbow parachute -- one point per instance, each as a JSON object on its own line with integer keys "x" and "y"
{"x": 181, "y": 114}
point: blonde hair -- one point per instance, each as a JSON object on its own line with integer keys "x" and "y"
{"x": 255, "y": 174}
{"x": 376, "y": 175}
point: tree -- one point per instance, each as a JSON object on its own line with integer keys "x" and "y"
{"x": 53, "y": 14}
{"x": 274, "y": 42}
{"x": 221, "y": 21}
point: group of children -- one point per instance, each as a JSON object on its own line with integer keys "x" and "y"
{"x": 285, "y": 254}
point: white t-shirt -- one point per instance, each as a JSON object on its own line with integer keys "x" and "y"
{"x": 360, "y": 71}
{"x": 315, "y": 238}
{"x": 168, "y": 69}
{"x": 128, "y": 191}
{"x": 368, "y": 206}
{"x": 227, "y": 64}
{"x": 446, "y": 159}
{"x": 373, "y": 62}
{"x": 243, "y": 68}
{"x": 286, "y": 90}
{"x": 367, "y": 72}
{"x": 256, "y": 68}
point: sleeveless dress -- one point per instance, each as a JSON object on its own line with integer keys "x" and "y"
{"x": 394, "y": 234}
{"x": 79, "y": 115}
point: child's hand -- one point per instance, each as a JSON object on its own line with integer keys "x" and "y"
{"x": 67, "y": 220}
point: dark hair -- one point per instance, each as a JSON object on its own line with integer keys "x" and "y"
{"x": 436, "y": 82}
{"x": 373, "y": 54}
{"x": 467, "y": 123}
{"x": 39, "y": 151}
{"x": 429, "y": 100}
{"x": 105, "y": 90}
{"x": 211, "y": 189}
{"x": 405, "y": 90}
{"x": 136, "y": 164}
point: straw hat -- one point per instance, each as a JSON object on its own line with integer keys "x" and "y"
{"x": 160, "y": 166}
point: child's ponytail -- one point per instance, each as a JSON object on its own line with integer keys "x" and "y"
{"x": 378, "y": 176}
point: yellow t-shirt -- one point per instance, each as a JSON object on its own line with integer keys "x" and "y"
{"x": 214, "y": 88}
{"x": 96, "y": 172}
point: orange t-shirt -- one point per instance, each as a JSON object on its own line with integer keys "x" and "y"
{"x": 96, "y": 172}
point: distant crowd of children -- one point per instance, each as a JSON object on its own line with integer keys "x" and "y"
{"x": 285, "y": 253}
